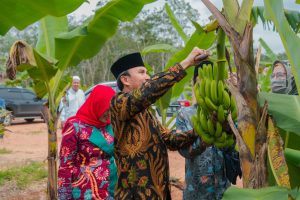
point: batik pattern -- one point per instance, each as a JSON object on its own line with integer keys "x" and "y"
{"x": 141, "y": 142}
{"x": 204, "y": 168}
{"x": 87, "y": 168}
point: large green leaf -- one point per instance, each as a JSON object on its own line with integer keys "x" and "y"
{"x": 202, "y": 40}
{"x": 85, "y": 42}
{"x": 231, "y": 10}
{"x": 49, "y": 28}
{"x": 292, "y": 16}
{"x": 293, "y": 156}
{"x": 269, "y": 53}
{"x": 285, "y": 109}
{"x": 158, "y": 48}
{"x": 176, "y": 24}
{"x": 244, "y": 15}
{"x": 268, "y": 193}
{"x": 21, "y": 13}
{"x": 290, "y": 40}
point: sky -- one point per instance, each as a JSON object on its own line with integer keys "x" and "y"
{"x": 271, "y": 38}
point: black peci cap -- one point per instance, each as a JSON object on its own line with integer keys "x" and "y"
{"x": 126, "y": 62}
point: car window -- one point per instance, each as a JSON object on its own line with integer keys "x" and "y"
{"x": 14, "y": 94}
{"x": 28, "y": 96}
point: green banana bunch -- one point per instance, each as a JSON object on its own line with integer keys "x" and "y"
{"x": 214, "y": 104}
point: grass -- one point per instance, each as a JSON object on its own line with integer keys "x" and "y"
{"x": 24, "y": 175}
{"x": 4, "y": 151}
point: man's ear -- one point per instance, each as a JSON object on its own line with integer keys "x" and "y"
{"x": 124, "y": 80}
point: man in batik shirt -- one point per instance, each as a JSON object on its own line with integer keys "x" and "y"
{"x": 141, "y": 142}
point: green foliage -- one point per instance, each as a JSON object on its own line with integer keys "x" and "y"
{"x": 49, "y": 28}
{"x": 79, "y": 44}
{"x": 175, "y": 23}
{"x": 292, "y": 156}
{"x": 269, "y": 53}
{"x": 231, "y": 9}
{"x": 158, "y": 48}
{"x": 21, "y": 13}
{"x": 4, "y": 150}
{"x": 237, "y": 15}
{"x": 292, "y": 16}
{"x": 285, "y": 109}
{"x": 24, "y": 175}
{"x": 267, "y": 193}
{"x": 290, "y": 40}
{"x": 202, "y": 40}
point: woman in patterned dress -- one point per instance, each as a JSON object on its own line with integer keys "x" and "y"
{"x": 87, "y": 167}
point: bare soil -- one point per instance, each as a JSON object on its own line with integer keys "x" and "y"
{"x": 28, "y": 142}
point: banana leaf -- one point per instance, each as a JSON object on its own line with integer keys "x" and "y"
{"x": 86, "y": 41}
{"x": 293, "y": 156}
{"x": 200, "y": 39}
{"x": 49, "y": 28}
{"x": 285, "y": 109}
{"x": 267, "y": 193}
{"x": 231, "y": 10}
{"x": 289, "y": 38}
{"x": 158, "y": 48}
{"x": 176, "y": 24}
{"x": 292, "y": 16}
{"x": 20, "y": 13}
{"x": 269, "y": 53}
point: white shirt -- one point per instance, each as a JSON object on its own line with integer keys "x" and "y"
{"x": 74, "y": 99}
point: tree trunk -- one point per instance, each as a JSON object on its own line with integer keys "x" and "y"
{"x": 52, "y": 153}
{"x": 251, "y": 134}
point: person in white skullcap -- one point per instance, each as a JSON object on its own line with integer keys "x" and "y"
{"x": 72, "y": 101}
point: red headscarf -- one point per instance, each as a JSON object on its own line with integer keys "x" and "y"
{"x": 95, "y": 105}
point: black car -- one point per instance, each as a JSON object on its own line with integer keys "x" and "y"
{"x": 22, "y": 103}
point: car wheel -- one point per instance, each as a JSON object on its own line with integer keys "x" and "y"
{"x": 7, "y": 120}
{"x": 29, "y": 120}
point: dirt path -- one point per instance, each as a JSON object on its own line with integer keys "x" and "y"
{"x": 28, "y": 142}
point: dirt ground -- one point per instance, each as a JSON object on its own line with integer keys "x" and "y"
{"x": 28, "y": 142}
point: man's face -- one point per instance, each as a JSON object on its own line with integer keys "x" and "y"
{"x": 75, "y": 84}
{"x": 138, "y": 76}
{"x": 279, "y": 72}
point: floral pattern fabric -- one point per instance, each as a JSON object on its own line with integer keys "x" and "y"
{"x": 204, "y": 168}
{"x": 141, "y": 142}
{"x": 87, "y": 167}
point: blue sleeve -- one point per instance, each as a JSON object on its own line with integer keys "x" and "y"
{"x": 183, "y": 124}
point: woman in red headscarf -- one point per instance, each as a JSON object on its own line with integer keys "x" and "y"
{"x": 87, "y": 167}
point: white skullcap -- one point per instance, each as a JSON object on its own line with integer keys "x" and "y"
{"x": 76, "y": 78}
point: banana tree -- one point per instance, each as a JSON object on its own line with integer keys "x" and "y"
{"x": 251, "y": 133}
{"x": 252, "y": 130}
{"x": 56, "y": 51}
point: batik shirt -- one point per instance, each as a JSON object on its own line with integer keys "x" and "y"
{"x": 141, "y": 142}
{"x": 87, "y": 168}
{"x": 204, "y": 167}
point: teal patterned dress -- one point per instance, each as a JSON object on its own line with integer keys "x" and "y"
{"x": 204, "y": 168}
